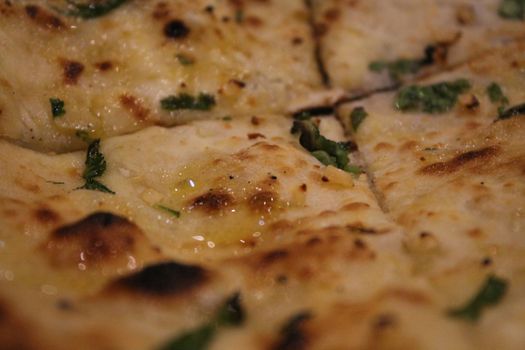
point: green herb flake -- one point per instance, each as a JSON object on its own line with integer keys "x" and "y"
{"x": 227, "y": 118}
{"x": 514, "y": 111}
{"x": 512, "y": 9}
{"x": 168, "y": 210}
{"x": 491, "y": 293}
{"x": 92, "y": 8}
{"x": 57, "y": 107}
{"x": 83, "y": 135}
{"x": 230, "y": 314}
{"x": 501, "y": 111}
{"x": 403, "y": 66}
{"x": 203, "y": 102}
{"x": 496, "y": 94}
{"x": 435, "y": 98}
{"x": 197, "y": 339}
{"x": 357, "y": 116}
{"x": 377, "y": 66}
{"x": 95, "y": 167}
{"x": 239, "y": 16}
{"x": 326, "y": 151}
{"x": 184, "y": 59}
{"x": 396, "y": 69}
{"x": 95, "y": 185}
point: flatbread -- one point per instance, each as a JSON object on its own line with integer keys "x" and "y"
{"x": 453, "y": 181}
{"x": 112, "y": 71}
{"x": 258, "y": 214}
{"x": 258, "y": 224}
{"x": 354, "y": 34}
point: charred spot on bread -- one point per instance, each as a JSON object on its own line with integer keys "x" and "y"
{"x": 262, "y": 201}
{"x": 45, "y": 215}
{"x": 163, "y": 279}
{"x": 212, "y": 201}
{"x": 293, "y": 335}
{"x": 43, "y": 18}
{"x": 459, "y": 161}
{"x": 104, "y": 66}
{"x": 95, "y": 240}
{"x": 135, "y": 106}
{"x": 255, "y": 135}
{"x": 273, "y": 256}
{"x": 72, "y": 70}
{"x": 176, "y": 29}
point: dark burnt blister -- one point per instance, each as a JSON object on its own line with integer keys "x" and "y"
{"x": 164, "y": 279}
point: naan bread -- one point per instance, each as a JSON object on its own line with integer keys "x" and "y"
{"x": 454, "y": 182}
{"x": 112, "y": 71}
{"x": 354, "y": 34}
{"x": 226, "y": 233}
{"x": 258, "y": 215}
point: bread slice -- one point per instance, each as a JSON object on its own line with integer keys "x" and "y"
{"x": 199, "y": 212}
{"x": 204, "y": 59}
{"x": 370, "y": 45}
{"x": 453, "y": 181}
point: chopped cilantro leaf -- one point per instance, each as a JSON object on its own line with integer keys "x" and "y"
{"x": 197, "y": 339}
{"x": 168, "y": 210}
{"x": 357, "y": 116}
{"x": 326, "y": 151}
{"x": 325, "y": 158}
{"x": 377, "y": 66}
{"x": 92, "y": 8}
{"x": 491, "y": 293}
{"x": 57, "y": 107}
{"x": 185, "y": 60}
{"x": 95, "y": 185}
{"x": 396, "y": 68}
{"x": 83, "y": 135}
{"x": 353, "y": 169}
{"x": 203, "y": 102}
{"x": 496, "y": 94}
{"x": 229, "y": 314}
{"x": 95, "y": 162}
{"x": 512, "y": 9}
{"x": 435, "y": 98}
{"x": 513, "y": 111}
{"x": 95, "y": 167}
{"x": 403, "y": 66}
